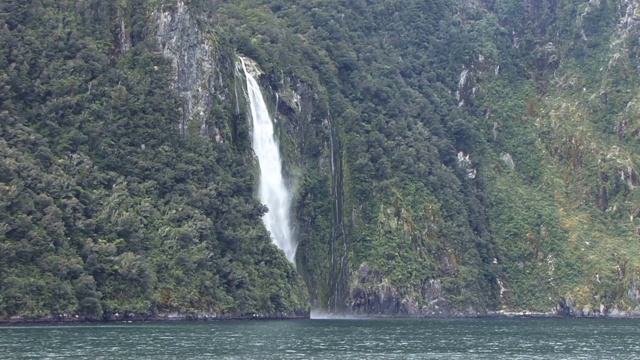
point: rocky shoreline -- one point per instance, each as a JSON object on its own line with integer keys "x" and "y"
{"x": 129, "y": 317}
{"x": 614, "y": 314}
{"x": 206, "y": 316}
{"x": 556, "y": 315}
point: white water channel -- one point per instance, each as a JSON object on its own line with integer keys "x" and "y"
{"x": 273, "y": 192}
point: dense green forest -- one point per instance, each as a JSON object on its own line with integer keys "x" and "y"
{"x": 106, "y": 206}
{"x": 446, "y": 157}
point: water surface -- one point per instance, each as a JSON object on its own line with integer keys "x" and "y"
{"x": 330, "y": 339}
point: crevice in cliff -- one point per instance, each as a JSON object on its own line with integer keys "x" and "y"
{"x": 339, "y": 279}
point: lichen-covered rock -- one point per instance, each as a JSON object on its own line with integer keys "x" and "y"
{"x": 198, "y": 75}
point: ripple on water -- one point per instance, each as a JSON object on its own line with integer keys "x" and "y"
{"x": 331, "y": 339}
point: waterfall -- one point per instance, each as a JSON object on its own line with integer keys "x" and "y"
{"x": 273, "y": 192}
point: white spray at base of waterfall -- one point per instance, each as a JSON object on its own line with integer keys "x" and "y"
{"x": 272, "y": 192}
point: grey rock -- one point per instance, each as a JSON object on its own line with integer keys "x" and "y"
{"x": 197, "y": 76}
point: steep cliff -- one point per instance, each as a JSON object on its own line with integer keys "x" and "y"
{"x": 456, "y": 189}
{"x": 127, "y": 177}
{"x": 446, "y": 157}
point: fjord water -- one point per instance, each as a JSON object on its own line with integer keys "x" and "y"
{"x": 273, "y": 192}
{"x": 330, "y": 339}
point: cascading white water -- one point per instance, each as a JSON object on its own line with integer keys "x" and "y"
{"x": 273, "y": 192}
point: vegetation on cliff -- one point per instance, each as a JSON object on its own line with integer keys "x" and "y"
{"x": 446, "y": 157}
{"x": 485, "y": 150}
{"x": 105, "y": 206}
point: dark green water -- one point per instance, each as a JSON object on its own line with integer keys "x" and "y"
{"x": 330, "y": 339}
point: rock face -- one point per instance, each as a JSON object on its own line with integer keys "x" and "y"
{"x": 371, "y": 294}
{"x": 197, "y": 68}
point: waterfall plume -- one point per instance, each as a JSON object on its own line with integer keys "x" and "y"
{"x": 272, "y": 191}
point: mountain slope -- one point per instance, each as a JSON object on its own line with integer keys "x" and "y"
{"x": 106, "y": 206}
{"x": 446, "y": 157}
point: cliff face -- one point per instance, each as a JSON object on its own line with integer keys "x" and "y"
{"x": 467, "y": 182}
{"x": 127, "y": 178}
{"x": 446, "y": 157}
{"x": 200, "y": 76}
